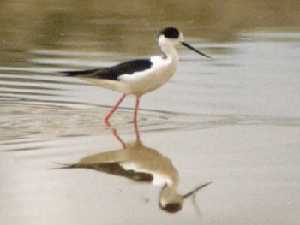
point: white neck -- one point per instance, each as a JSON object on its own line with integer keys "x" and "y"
{"x": 168, "y": 48}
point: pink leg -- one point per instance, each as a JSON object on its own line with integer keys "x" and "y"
{"x": 137, "y": 105}
{"x": 116, "y": 135}
{"x": 109, "y": 114}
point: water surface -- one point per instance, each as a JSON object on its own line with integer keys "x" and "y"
{"x": 233, "y": 120}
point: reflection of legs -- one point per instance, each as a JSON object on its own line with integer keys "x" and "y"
{"x": 137, "y": 105}
{"x": 109, "y": 114}
{"x": 136, "y": 129}
{"x": 115, "y": 134}
{"x": 114, "y": 131}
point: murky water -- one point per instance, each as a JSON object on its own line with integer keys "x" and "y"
{"x": 233, "y": 120}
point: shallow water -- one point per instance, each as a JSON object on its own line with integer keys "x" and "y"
{"x": 233, "y": 120}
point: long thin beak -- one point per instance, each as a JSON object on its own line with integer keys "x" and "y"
{"x": 196, "y": 189}
{"x": 193, "y": 49}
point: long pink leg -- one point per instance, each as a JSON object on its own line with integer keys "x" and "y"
{"x": 109, "y": 114}
{"x": 137, "y": 105}
{"x": 116, "y": 135}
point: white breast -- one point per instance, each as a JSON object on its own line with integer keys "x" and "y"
{"x": 152, "y": 78}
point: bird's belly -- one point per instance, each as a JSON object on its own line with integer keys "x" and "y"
{"x": 151, "y": 82}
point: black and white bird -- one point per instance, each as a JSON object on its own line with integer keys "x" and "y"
{"x": 139, "y": 76}
{"x": 139, "y": 163}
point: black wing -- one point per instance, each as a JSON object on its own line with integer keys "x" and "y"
{"x": 113, "y": 73}
{"x": 112, "y": 169}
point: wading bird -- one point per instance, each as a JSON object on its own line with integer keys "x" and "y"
{"x": 139, "y": 76}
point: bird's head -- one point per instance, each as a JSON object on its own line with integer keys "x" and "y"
{"x": 172, "y": 36}
{"x": 171, "y": 201}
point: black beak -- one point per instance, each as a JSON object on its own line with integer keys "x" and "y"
{"x": 193, "y": 49}
{"x": 196, "y": 189}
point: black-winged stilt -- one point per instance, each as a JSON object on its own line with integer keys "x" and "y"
{"x": 139, "y": 76}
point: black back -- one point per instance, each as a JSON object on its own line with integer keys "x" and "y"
{"x": 129, "y": 67}
{"x": 113, "y": 73}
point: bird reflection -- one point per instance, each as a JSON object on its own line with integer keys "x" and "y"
{"x": 140, "y": 163}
